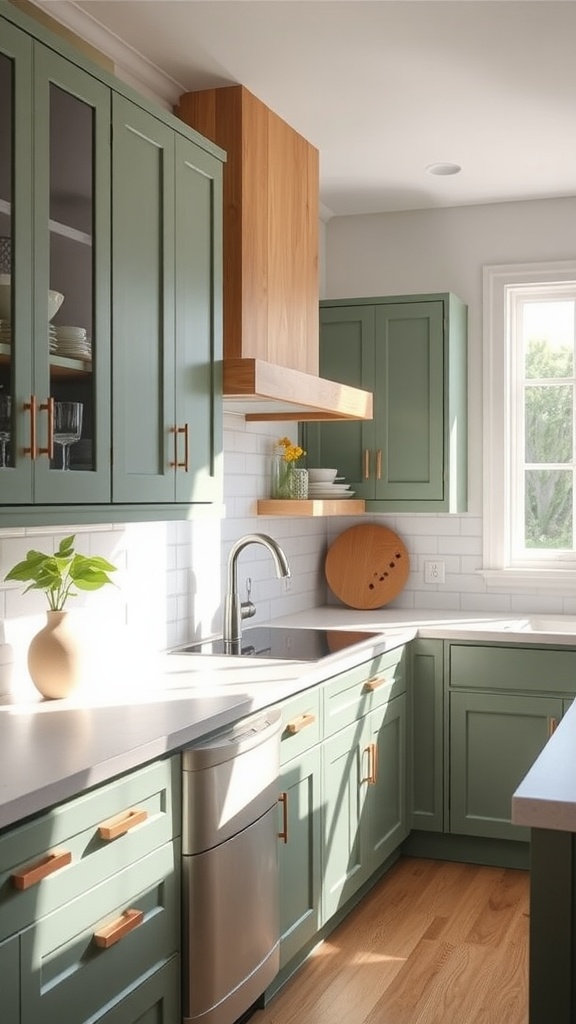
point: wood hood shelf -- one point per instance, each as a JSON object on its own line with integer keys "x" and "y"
{"x": 259, "y": 390}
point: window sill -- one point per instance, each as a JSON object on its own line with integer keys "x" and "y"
{"x": 551, "y": 581}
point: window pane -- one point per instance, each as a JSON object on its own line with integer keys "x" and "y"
{"x": 548, "y": 508}
{"x": 548, "y": 423}
{"x": 548, "y": 338}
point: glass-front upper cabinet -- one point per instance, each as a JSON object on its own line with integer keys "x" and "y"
{"x": 55, "y": 280}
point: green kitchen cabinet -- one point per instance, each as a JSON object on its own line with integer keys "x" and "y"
{"x": 426, "y": 746}
{"x": 116, "y": 206}
{"x": 89, "y": 905}
{"x": 365, "y": 819}
{"x": 411, "y": 351}
{"x": 10, "y": 981}
{"x": 300, "y": 853}
{"x": 55, "y": 231}
{"x": 495, "y": 739}
{"x": 165, "y": 313}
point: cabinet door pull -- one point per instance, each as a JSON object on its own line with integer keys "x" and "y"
{"x": 30, "y": 406}
{"x": 366, "y": 464}
{"x": 116, "y": 930}
{"x": 379, "y": 464}
{"x": 372, "y": 684}
{"x": 42, "y": 869}
{"x": 374, "y": 779}
{"x": 177, "y": 464}
{"x": 283, "y": 799}
{"x": 301, "y": 722}
{"x": 120, "y": 824}
{"x": 48, "y": 405}
{"x": 552, "y": 726}
{"x": 370, "y": 778}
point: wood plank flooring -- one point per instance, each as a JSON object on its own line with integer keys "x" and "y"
{"x": 433, "y": 943}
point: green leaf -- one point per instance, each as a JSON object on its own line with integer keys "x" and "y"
{"x": 66, "y": 546}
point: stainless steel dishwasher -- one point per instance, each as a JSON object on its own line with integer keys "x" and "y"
{"x": 230, "y": 869}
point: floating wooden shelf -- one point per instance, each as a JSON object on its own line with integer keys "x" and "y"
{"x": 311, "y": 507}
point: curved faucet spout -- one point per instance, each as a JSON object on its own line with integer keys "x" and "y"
{"x": 234, "y": 611}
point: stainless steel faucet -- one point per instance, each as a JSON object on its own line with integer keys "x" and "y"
{"x": 235, "y": 610}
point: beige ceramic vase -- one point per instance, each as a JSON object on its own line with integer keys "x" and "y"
{"x": 55, "y": 657}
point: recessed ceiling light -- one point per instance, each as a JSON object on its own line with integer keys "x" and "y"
{"x": 444, "y": 168}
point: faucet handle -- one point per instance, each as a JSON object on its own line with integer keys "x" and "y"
{"x": 247, "y": 609}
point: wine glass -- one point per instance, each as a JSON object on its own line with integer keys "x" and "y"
{"x": 5, "y": 426}
{"x": 67, "y": 427}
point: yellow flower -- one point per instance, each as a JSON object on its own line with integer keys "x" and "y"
{"x": 292, "y": 452}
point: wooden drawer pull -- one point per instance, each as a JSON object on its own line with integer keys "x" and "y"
{"x": 372, "y": 684}
{"x": 121, "y": 823}
{"x": 283, "y": 799}
{"x": 112, "y": 933}
{"x": 42, "y": 869}
{"x": 301, "y": 722}
{"x": 552, "y": 726}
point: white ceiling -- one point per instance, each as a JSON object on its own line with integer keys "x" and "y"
{"x": 383, "y": 88}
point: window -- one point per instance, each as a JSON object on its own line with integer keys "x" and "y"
{"x": 530, "y": 425}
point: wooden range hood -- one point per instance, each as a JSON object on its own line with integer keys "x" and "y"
{"x": 270, "y": 227}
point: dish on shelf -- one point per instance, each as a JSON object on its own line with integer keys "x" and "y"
{"x": 329, "y": 495}
{"x": 318, "y": 475}
{"x": 331, "y": 488}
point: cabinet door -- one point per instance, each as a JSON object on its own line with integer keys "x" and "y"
{"x": 347, "y": 355}
{"x": 16, "y": 272}
{"x": 198, "y": 419}
{"x": 71, "y": 327}
{"x": 409, "y": 400}
{"x": 143, "y": 411}
{"x": 427, "y": 736}
{"x": 300, "y": 855}
{"x": 494, "y": 740}
{"x": 385, "y": 812}
{"x": 10, "y": 981}
{"x": 346, "y": 773}
{"x": 155, "y": 1001}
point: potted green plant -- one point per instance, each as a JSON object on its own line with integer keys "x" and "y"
{"x": 54, "y": 656}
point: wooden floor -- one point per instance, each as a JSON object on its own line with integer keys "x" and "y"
{"x": 433, "y": 943}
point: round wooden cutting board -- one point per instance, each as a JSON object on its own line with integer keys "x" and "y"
{"x": 367, "y": 566}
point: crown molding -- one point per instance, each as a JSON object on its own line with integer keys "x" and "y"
{"x": 129, "y": 65}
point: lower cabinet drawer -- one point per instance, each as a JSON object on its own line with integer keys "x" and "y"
{"x": 10, "y": 981}
{"x": 512, "y": 668}
{"x": 155, "y": 1001}
{"x": 351, "y": 695}
{"x": 85, "y": 957}
{"x": 300, "y": 724}
{"x": 70, "y": 849}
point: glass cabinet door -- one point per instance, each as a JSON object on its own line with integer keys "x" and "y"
{"x": 16, "y": 471}
{"x": 72, "y": 270}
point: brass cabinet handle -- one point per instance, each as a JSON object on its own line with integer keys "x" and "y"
{"x": 379, "y": 464}
{"x": 283, "y": 799}
{"x": 374, "y": 763}
{"x": 366, "y": 464}
{"x": 120, "y": 824}
{"x": 372, "y": 684}
{"x": 372, "y": 752}
{"x": 301, "y": 722}
{"x": 48, "y": 405}
{"x": 50, "y": 863}
{"x": 176, "y": 464}
{"x": 30, "y": 406}
{"x": 116, "y": 930}
{"x": 552, "y": 726}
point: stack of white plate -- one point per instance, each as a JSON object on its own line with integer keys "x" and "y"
{"x": 52, "y": 339}
{"x": 324, "y": 490}
{"x": 73, "y": 343}
{"x": 5, "y": 332}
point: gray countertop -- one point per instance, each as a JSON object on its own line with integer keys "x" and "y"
{"x": 52, "y": 750}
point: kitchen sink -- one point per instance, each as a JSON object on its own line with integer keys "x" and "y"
{"x": 551, "y": 624}
{"x": 281, "y": 642}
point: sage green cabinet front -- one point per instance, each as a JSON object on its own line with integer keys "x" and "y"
{"x": 364, "y": 778}
{"x": 495, "y": 739}
{"x": 300, "y": 853}
{"x": 427, "y": 735}
{"x": 411, "y": 352}
{"x": 166, "y": 224}
{"x": 10, "y": 981}
{"x": 55, "y": 230}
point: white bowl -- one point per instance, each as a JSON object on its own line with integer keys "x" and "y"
{"x": 55, "y": 299}
{"x": 321, "y": 476}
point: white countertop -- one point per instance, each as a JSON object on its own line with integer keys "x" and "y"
{"x": 546, "y": 797}
{"x": 52, "y": 750}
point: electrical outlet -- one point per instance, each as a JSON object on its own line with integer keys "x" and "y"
{"x": 434, "y": 572}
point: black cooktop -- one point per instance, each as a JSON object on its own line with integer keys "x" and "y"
{"x": 284, "y": 643}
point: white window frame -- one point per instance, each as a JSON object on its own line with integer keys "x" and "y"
{"x": 557, "y": 574}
